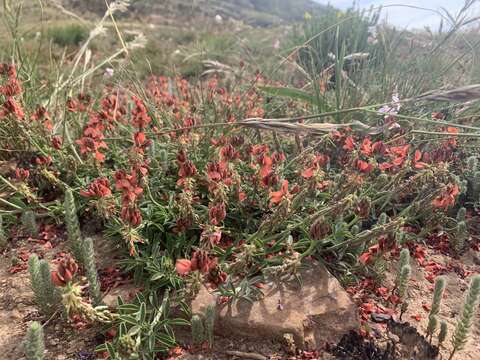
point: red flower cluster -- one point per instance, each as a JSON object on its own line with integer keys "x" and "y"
{"x": 276, "y": 197}
{"x": 92, "y": 142}
{"x": 22, "y": 174}
{"x": 65, "y": 272}
{"x": 200, "y": 261}
{"x": 186, "y": 169}
{"x": 140, "y": 117}
{"x": 98, "y": 188}
{"x": 447, "y": 197}
{"x": 93, "y": 133}
{"x": 217, "y": 213}
{"x": 11, "y": 89}
{"x": 41, "y": 114}
{"x": 316, "y": 163}
{"x": 80, "y": 104}
{"x": 131, "y": 192}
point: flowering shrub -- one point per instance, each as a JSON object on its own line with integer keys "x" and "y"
{"x": 197, "y": 195}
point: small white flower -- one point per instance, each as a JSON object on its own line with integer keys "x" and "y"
{"x": 218, "y": 19}
{"x": 108, "y": 72}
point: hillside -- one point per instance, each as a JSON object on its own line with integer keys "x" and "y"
{"x": 254, "y": 12}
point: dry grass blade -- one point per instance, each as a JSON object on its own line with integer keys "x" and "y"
{"x": 460, "y": 94}
{"x": 311, "y": 129}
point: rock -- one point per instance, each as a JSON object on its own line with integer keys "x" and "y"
{"x": 380, "y": 318}
{"x": 124, "y": 291}
{"x": 319, "y": 311}
{"x": 16, "y": 315}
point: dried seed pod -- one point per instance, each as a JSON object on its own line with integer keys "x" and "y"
{"x": 363, "y": 207}
{"x": 319, "y": 229}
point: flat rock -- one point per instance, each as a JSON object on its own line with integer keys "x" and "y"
{"x": 316, "y": 311}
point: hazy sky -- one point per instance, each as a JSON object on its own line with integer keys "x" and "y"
{"x": 408, "y": 17}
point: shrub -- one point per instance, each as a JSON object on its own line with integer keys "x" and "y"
{"x": 34, "y": 343}
{"x": 68, "y": 35}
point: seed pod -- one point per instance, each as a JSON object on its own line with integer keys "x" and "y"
{"x": 319, "y": 229}
{"x": 382, "y": 219}
{"x": 355, "y": 230}
{"x": 363, "y": 207}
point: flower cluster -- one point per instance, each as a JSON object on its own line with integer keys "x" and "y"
{"x": 11, "y": 88}
{"x": 66, "y": 270}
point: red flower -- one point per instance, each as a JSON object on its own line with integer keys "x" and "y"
{"x": 140, "y": 117}
{"x": 187, "y": 169}
{"x": 366, "y": 147}
{"x": 417, "y": 164}
{"x": 11, "y": 88}
{"x": 11, "y": 107}
{"x": 270, "y": 179}
{"x": 92, "y": 142}
{"x": 266, "y": 163}
{"x": 228, "y": 153}
{"x": 98, "y": 188}
{"x": 21, "y": 174}
{"x": 183, "y": 266}
{"x": 217, "y": 213}
{"x": 57, "y": 142}
{"x": 131, "y": 215}
{"x": 66, "y": 270}
{"x": 277, "y": 196}
{"x": 447, "y": 197}
{"x": 349, "y": 144}
{"x": 364, "y": 166}
{"x": 201, "y": 261}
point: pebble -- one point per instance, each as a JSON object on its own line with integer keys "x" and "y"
{"x": 17, "y": 315}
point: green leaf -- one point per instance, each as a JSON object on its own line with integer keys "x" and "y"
{"x": 142, "y": 314}
{"x": 134, "y": 330}
{"x": 291, "y": 93}
{"x": 111, "y": 351}
{"x": 157, "y": 276}
{"x": 178, "y": 321}
{"x": 122, "y": 329}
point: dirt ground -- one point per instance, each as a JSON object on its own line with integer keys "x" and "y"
{"x": 17, "y": 310}
{"x": 64, "y": 341}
